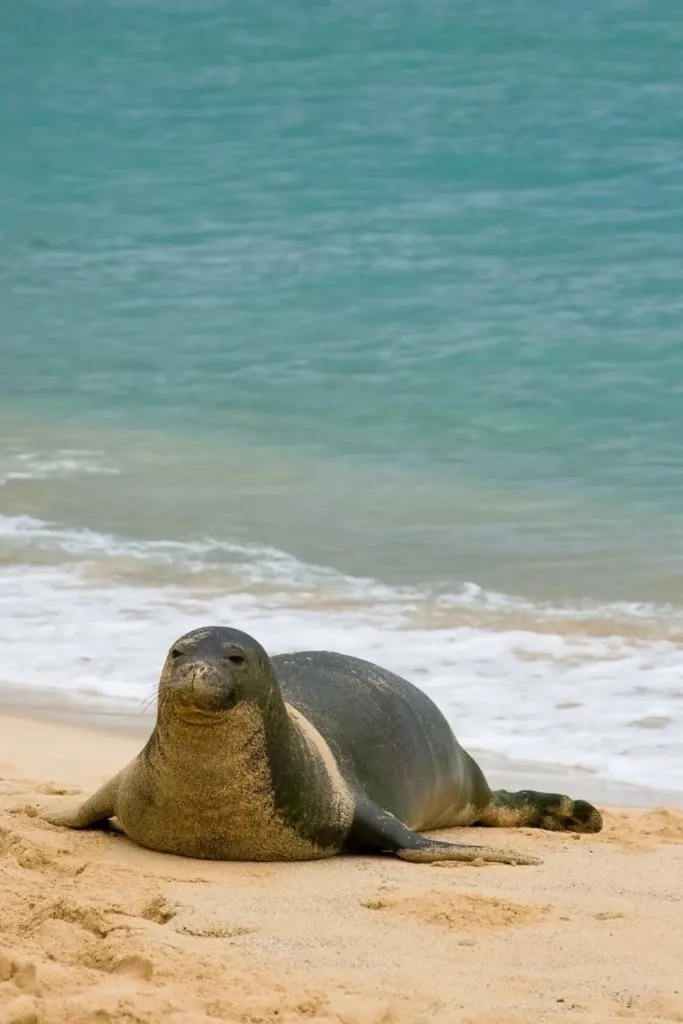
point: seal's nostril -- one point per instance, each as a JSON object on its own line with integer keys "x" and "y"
{"x": 236, "y": 659}
{"x": 176, "y": 653}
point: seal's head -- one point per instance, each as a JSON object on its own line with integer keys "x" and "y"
{"x": 211, "y": 670}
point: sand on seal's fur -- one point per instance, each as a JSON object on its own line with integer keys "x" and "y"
{"x": 239, "y": 803}
{"x": 94, "y": 928}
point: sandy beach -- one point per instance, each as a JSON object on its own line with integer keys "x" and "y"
{"x": 96, "y": 929}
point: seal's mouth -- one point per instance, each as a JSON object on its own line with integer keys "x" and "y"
{"x": 195, "y": 715}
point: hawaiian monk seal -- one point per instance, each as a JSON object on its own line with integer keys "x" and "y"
{"x": 304, "y": 756}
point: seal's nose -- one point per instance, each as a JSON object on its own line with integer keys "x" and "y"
{"x": 205, "y": 684}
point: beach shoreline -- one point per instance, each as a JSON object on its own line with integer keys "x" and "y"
{"x": 93, "y": 712}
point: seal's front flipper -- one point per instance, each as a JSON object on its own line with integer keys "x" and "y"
{"x": 94, "y": 813}
{"x": 551, "y": 811}
{"x": 374, "y": 829}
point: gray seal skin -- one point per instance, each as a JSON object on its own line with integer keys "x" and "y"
{"x": 303, "y": 756}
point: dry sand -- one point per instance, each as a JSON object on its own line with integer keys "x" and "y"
{"x": 94, "y": 929}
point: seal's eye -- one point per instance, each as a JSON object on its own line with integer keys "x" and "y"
{"x": 176, "y": 653}
{"x": 236, "y": 659}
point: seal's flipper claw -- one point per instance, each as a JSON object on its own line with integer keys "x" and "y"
{"x": 376, "y": 829}
{"x": 95, "y": 812}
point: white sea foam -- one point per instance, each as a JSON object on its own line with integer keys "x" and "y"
{"x": 611, "y": 703}
{"x": 263, "y": 564}
{"x": 62, "y": 463}
{"x": 256, "y": 564}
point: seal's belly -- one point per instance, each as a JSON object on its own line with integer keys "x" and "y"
{"x": 236, "y": 822}
{"x": 212, "y": 837}
{"x": 212, "y": 800}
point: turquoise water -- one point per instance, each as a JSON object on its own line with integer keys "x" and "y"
{"x": 367, "y": 319}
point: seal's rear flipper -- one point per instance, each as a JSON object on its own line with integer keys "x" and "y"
{"x": 375, "y": 829}
{"x": 551, "y": 811}
{"x": 94, "y": 813}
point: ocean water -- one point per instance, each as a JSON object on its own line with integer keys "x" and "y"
{"x": 357, "y": 326}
